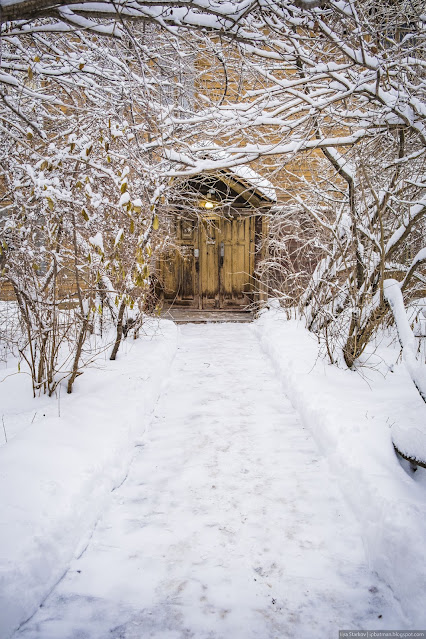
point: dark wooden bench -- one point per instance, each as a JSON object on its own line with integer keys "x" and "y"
{"x": 414, "y": 462}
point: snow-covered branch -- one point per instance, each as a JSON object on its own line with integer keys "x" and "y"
{"x": 417, "y": 371}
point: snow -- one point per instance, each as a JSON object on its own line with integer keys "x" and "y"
{"x": 97, "y": 241}
{"x": 261, "y": 184}
{"x": 351, "y": 417}
{"x": 237, "y": 156}
{"x": 410, "y": 441}
{"x": 125, "y": 198}
{"x": 414, "y": 212}
{"x": 393, "y": 294}
{"x": 229, "y": 523}
{"x": 118, "y": 237}
{"x": 216, "y": 481}
{"x": 214, "y": 152}
{"x": 57, "y": 472}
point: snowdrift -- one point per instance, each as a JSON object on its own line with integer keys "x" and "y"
{"x": 56, "y": 474}
{"x": 351, "y": 415}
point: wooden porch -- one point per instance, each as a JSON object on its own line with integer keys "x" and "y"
{"x": 185, "y": 315}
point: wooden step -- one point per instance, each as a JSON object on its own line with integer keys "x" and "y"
{"x": 195, "y": 316}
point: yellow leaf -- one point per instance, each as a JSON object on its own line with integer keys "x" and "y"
{"x": 132, "y": 226}
{"x": 81, "y": 66}
{"x": 36, "y": 59}
{"x": 30, "y": 73}
{"x": 155, "y": 223}
{"x": 84, "y": 214}
{"x": 124, "y": 187}
{"x": 50, "y": 203}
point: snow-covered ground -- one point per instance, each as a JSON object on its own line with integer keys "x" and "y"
{"x": 243, "y": 513}
{"x": 57, "y": 472}
{"x": 351, "y": 416}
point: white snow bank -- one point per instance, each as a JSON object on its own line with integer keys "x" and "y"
{"x": 410, "y": 441}
{"x": 351, "y": 418}
{"x": 57, "y": 473}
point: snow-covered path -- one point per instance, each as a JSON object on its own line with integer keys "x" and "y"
{"x": 228, "y": 525}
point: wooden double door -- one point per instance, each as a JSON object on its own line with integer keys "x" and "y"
{"x": 213, "y": 266}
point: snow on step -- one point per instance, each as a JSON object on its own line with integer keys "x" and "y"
{"x": 228, "y": 526}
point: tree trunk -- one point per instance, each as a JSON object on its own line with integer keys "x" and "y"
{"x": 119, "y": 330}
{"x": 81, "y": 338}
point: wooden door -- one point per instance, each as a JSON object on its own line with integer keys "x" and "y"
{"x": 210, "y": 233}
{"x": 178, "y": 269}
{"x": 237, "y": 262}
{"x": 226, "y": 261}
{"x": 213, "y": 264}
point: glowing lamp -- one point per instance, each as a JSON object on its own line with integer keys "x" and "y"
{"x": 208, "y": 204}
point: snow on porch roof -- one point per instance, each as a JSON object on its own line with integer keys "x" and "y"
{"x": 244, "y": 172}
{"x": 252, "y": 178}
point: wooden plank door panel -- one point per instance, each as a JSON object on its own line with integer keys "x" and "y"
{"x": 178, "y": 269}
{"x": 210, "y": 234}
{"x": 226, "y": 280}
{"x": 237, "y": 270}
